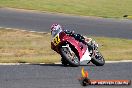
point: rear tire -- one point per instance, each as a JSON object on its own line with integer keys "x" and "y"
{"x": 71, "y": 61}
{"x": 98, "y": 59}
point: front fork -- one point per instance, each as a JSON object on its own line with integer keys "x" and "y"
{"x": 68, "y": 47}
{"x": 93, "y": 46}
{"x": 72, "y": 55}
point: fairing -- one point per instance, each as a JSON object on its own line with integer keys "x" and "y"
{"x": 61, "y": 38}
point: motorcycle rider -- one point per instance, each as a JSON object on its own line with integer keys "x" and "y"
{"x": 78, "y": 37}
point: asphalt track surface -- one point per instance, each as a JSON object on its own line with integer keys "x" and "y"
{"x": 55, "y": 75}
{"x": 36, "y": 21}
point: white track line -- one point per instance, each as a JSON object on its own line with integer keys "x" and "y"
{"x": 18, "y": 63}
{"x": 22, "y": 30}
{"x": 119, "y": 61}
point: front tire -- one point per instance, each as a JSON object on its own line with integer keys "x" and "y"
{"x": 98, "y": 59}
{"x": 72, "y": 60}
{"x": 64, "y": 62}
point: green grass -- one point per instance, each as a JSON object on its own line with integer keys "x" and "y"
{"x": 115, "y": 48}
{"x": 100, "y": 8}
{"x": 22, "y": 46}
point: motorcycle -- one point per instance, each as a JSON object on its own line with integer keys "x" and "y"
{"x": 73, "y": 52}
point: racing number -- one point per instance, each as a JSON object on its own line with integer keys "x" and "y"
{"x": 56, "y": 40}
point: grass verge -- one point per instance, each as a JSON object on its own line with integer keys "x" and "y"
{"x": 115, "y": 48}
{"x": 100, "y": 8}
{"x": 25, "y": 47}
{"x": 17, "y": 46}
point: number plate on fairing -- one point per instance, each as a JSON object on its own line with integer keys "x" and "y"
{"x": 56, "y": 40}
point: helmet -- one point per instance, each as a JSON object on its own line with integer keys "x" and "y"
{"x": 55, "y": 29}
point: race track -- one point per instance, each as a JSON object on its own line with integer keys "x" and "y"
{"x": 36, "y": 21}
{"x": 55, "y": 75}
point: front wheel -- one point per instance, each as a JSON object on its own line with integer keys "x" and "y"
{"x": 64, "y": 62}
{"x": 98, "y": 59}
{"x": 70, "y": 56}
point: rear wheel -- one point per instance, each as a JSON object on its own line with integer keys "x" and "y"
{"x": 70, "y": 56}
{"x": 98, "y": 59}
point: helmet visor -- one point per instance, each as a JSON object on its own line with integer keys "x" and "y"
{"x": 56, "y": 31}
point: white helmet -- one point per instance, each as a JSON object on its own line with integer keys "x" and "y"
{"x": 55, "y": 28}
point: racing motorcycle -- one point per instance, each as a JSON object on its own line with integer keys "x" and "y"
{"x": 73, "y": 52}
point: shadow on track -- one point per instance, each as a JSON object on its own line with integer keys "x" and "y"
{"x": 60, "y": 65}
